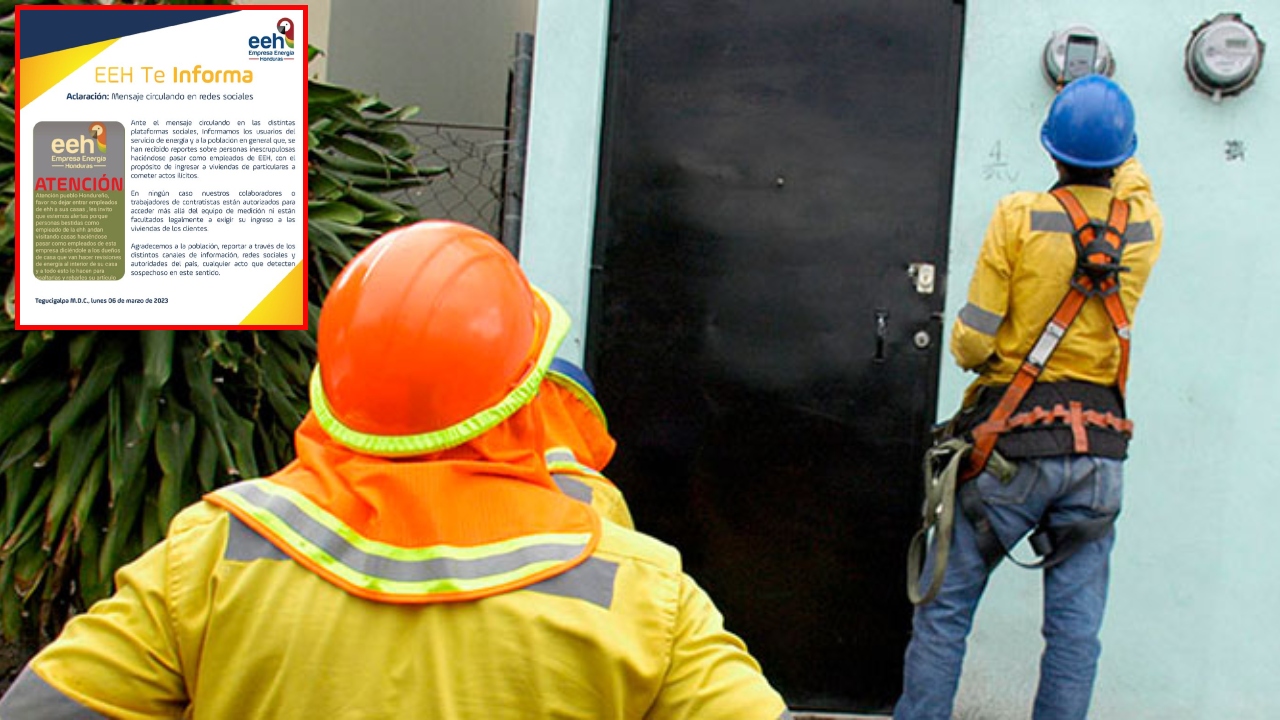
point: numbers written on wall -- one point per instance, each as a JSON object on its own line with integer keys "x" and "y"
{"x": 1233, "y": 150}
{"x": 996, "y": 168}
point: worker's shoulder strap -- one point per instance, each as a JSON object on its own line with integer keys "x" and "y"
{"x": 1099, "y": 248}
{"x": 1099, "y": 245}
{"x": 1098, "y": 267}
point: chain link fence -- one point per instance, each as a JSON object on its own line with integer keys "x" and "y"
{"x": 471, "y": 190}
{"x": 484, "y": 164}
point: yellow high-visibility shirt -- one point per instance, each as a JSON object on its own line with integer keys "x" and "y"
{"x": 216, "y": 623}
{"x": 1022, "y": 274}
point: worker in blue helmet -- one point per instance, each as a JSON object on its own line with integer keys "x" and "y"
{"x": 1042, "y": 433}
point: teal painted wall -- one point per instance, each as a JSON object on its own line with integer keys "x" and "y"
{"x": 1191, "y": 630}
{"x": 563, "y": 155}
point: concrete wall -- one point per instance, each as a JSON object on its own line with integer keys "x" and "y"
{"x": 1191, "y": 631}
{"x": 451, "y": 59}
{"x": 448, "y": 57}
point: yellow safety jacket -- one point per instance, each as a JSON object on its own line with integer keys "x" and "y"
{"x": 287, "y": 598}
{"x": 579, "y": 446}
{"x": 218, "y": 614}
{"x": 581, "y": 482}
{"x": 1023, "y": 270}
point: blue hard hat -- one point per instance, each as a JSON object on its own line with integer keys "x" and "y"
{"x": 1090, "y": 124}
{"x": 569, "y": 371}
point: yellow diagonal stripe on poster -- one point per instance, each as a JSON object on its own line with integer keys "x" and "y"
{"x": 281, "y": 306}
{"x": 38, "y": 74}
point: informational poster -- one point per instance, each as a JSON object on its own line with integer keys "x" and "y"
{"x": 161, "y": 173}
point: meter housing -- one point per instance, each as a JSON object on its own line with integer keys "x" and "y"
{"x": 1223, "y": 56}
{"x": 1066, "y": 55}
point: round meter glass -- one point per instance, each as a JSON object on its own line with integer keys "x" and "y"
{"x": 1224, "y": 55}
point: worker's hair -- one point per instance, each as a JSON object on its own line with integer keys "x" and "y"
{"x": 1076, "y": 175}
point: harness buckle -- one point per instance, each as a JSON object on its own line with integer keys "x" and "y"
{"x": 1097, "y": 261}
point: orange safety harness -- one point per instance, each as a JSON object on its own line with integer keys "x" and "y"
{"x": 952, "y": 462}
{"x": 1099, "y": 247}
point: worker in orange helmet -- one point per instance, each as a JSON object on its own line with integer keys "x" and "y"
{"x": 578, "y": 441}
{"x": 416, "y": 559}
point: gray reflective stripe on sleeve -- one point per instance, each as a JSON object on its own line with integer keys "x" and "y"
{"x": 399, "y": 570}
{"x": 1041, "y": 221}
{"x": 31, "y": 698}
{"x": 592, "y": 581}
{"x": 786, "y": 715}
{"x": 1139, "y": 232}
{"x": 562, "y": 455}
{"x": 574, "y": 488}
{"x": 984, "y": 321}
{"x": 245, "y": 545}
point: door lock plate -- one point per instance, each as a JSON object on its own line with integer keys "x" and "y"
{"x": 922, "y": 275}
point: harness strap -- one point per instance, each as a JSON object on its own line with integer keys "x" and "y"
{"x": 942, "y": 464}
{"x": 1098, "y": 250}
{"x": 1055, "y": 543}
{"x": 1073, "y": 414}
{"x": 1100, "y": 253}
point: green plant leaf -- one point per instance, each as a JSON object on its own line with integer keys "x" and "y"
{"x": 175, "y": 439}
{"x": 21, "y": 448}
{"x": 321, "y": 95}
{"x": 87, "y": 497}
{"x": 21, "y": 405}
{"x": 83, "y": 445}
{"x": 100, "y": 377}
{"x": 28, "y": 524}
{"x": 338, "y": 212}
{"x": 33, "y": 344}
{"x": 30, "y": 564}
{"x": 18, "y": 481}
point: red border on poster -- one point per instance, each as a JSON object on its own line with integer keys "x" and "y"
{"x": 17, "y": 168}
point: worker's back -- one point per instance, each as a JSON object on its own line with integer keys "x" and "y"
{"x": 417, "y": 559}
{"x": 250, "y": 633}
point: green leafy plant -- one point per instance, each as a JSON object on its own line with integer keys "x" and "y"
{"x": 105, "y": 435}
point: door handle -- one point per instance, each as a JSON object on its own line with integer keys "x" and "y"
{"x": 882, "y": 333}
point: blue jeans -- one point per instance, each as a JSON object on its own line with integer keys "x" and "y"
{"x": 1061, "y": 490}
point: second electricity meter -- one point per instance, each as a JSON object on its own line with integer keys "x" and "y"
{"x": 1223, "y": 55}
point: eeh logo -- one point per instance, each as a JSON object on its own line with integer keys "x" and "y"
{"x": 284, "y": 26}
{"x": 100, "y": 133}
{"x": 277, "y": 46}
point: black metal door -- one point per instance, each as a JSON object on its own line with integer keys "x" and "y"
{"x": 770, "y": 171}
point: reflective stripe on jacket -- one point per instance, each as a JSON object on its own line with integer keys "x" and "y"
{"x": 216, "y": 622}
{"x": 390, "y": 573}
{"x": 589, "y": 486}
{"x": 1022, "y": 274}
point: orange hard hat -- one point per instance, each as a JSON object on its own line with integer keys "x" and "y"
{"x": 428, "y": 338}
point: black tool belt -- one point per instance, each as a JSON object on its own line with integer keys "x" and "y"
{"x": 1043, "y": 424}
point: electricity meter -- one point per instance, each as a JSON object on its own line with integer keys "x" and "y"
{"x": 1223, "y": 55}
{"x": 1075, "y": 52}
